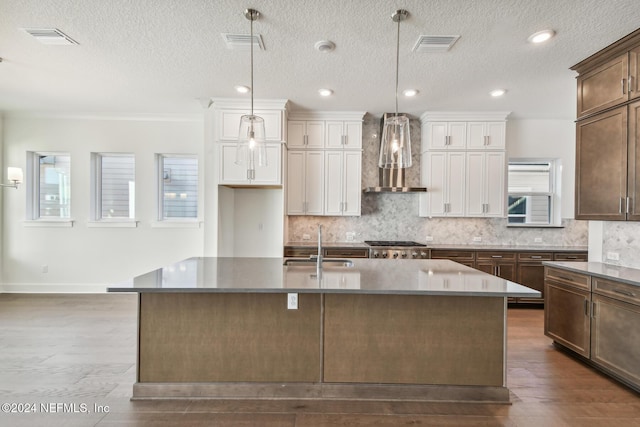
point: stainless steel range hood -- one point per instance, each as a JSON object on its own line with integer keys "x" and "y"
{"x": 392, "y": 180}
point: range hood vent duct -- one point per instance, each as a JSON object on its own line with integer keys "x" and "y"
{"x": 392, "y": 180}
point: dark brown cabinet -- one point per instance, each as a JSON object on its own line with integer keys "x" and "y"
{"x": 530, "y": 272}
{"x": 567, "y": 309}
{"x": 501, "y": 264}
{"x": 607, "y": 134}
{"x": 460, "y": 256}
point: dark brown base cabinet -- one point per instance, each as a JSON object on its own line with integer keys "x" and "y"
{"x": 596, "y": 319}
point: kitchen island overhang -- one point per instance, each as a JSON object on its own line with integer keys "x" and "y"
{"x": 430, "y": 330}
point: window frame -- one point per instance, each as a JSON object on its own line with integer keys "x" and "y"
{"x": 96, "y": 217}
{"x": 161, "y": 220}
{"x": 554, "y": 193}
{"x": 33, "y": 177}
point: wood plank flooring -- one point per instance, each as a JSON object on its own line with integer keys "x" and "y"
{"x": 80, "y": 350}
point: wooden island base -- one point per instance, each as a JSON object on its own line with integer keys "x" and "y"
{"x": 334, "y": 346}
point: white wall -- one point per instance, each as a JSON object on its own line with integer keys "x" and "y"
{"x": 547, "y": 139}
{"x": 82, "y": 258}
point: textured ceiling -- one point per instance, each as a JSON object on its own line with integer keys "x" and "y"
{"x": 162, "y": 56}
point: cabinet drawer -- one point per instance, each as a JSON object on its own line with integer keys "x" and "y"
{"x": 453, "y": 255}
{"x": 534, "y": 256}
{"x": 570, "y": 256}
{"x": 617, "y": 290}
{"x": 567, "y": 277}
{"x": 300, "y": 252}
{"x": 346, "y": 253}
{"x": 494, "y": 255}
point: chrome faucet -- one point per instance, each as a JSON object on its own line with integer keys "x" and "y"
{"x": 319, "y": 244}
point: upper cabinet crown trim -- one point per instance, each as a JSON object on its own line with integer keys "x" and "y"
{"x": 615, "y": 49}
{"x": 464, "y": 116}
{"x": 327, "y": 115}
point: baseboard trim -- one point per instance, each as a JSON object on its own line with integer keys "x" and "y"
{"x": 321, "y": 391}
{"x": 53, "y": 288}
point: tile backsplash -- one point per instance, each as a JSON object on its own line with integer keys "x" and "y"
{"x": 621, "y": 238}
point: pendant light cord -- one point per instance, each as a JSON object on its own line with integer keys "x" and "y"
{"x": 397, "y": 63}
{"x": 251, "y": 18}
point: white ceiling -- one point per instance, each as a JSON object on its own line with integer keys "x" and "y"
{"x": 163, "y": 56}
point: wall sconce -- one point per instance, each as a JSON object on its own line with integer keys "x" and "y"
{"x": 14, "y": 175}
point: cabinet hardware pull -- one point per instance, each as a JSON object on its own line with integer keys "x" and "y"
{"x": 565, "y": 278}
{"x": 586, "y": 307}
{"x": 593, "y": 310}
{"x": 623, "y": 292}
{"x": 623, "y": 86}
{"x": 630, "y": 86}
{"x": 536, "y": 257}
{"x": 628, "y": 205}
{"x": 620, "y": 207}
{"x": 572, "y": 257}
{"x": 305, "y": 140}
{"x": 496, "y": 256}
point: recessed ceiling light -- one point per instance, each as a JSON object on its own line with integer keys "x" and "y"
{"x": 541, "y": 36}
{"x": 242, "y": 89}
{"x": 497, "y": 92}
{"x": 410, "y": 92}
{"x": 324, "y": 46}
{"x": 325, "y": 92}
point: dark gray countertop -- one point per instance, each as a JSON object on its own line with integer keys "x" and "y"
{"x": 367, "y": 276}
{"x": 627, "y": 275}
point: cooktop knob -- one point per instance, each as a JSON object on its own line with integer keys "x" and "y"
{"x": 404, "y": 254}
{"x": 376, "y": 254}
{"x": 384, "y": 254}
{"x": 423, "y": 254}
{"x": 414, "y": 254}
{"x": 395, "y": 254}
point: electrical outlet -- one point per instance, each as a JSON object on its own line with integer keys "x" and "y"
{"x": 292, "y": 301}
{"x": 613, "y": 256}
{"x": 477, "y": 239}
{"x": 306, "y": 237}
{"x": 350, "y": 236}
{"x": 45, "y": 268}
{"x": 537, "y": 240}
{"x": 428, "y": 238}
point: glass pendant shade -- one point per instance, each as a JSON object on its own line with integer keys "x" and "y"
{"x": 251, "y": 149}
{"x": 395, "y": 147}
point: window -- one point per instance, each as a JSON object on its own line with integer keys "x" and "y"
{"x": 178, "y": 184}
{"x": 533, "y": 199}
{"x": 113, "y": 186}
{"x": 50, "y": 188}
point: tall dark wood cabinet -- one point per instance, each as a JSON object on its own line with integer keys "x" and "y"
{"x": 607, "y": 134}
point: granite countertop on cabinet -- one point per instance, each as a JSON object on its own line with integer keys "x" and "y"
{"x": 630, "y": 276}
{"x": 366, "y": 276}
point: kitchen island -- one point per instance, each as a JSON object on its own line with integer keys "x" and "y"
{"x": 254, "y": 328}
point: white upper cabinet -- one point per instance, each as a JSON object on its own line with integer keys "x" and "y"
{"x": 305, "y": 134}
{"x": 485, "y": 184}
{"x": 343, "y": 183}
{"x": 443, "y": 173}
{"x": 445, "y": 135}
{"x": 305, "y": 184}
{"x": 486, "y": 135}
{"x": 233, "y": 174}
{"x": 344, "y": 135}
{"x": 229, "y": 121}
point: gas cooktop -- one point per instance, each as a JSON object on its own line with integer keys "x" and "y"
{"x": 396, "y": 243}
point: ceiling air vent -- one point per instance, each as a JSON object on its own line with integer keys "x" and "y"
{"x": 429, "y": 44}
{"x": 242, "y": 41}
{"x": 50, "y": 36}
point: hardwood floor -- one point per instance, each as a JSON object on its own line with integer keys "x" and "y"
{"x": 76, "y": 350}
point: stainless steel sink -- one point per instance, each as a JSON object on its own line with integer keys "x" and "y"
{"x": 335, "y": 262}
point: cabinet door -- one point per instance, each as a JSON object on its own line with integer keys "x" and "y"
{"x": 496, "y": 136}
{"x": 493, "y": 185}
{"x": 333, "y": 200}
{"x": 296, "y": 183}
{"x": 353, "y": 135}
{"x": 352, "y": 183}
{"x": 270, "y": 175}
{"x": 486, "y": 266}
{"x": 633, "y": 159}
{"x": 615, "y": 339}
{"x": 315, "y": 134}
{"x": 230, "y": 172}
{"x": 566, "y": 316}
{"x": 457, "y": 135}
{"x": 476, "y": 135}
{"x": 433, "y": 173}
{"x": 634, "y": 73}
{"x": 603, "y": 87}
{"x": 314, "y": 179}
{"x": 531, "y": 275}
{"x": 601, "y": 166}
{"x": 229, "y": 124}
{"x": 335, "y": 134}
{"x": 296, "y": 131}
{"x": 475, "y": 184}
{"x": 437, "y": 133}
{"x": 455, "y": 182}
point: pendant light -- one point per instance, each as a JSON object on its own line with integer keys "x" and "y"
{"x": 395, "y": 147}
{"x": 251, "y": 150}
